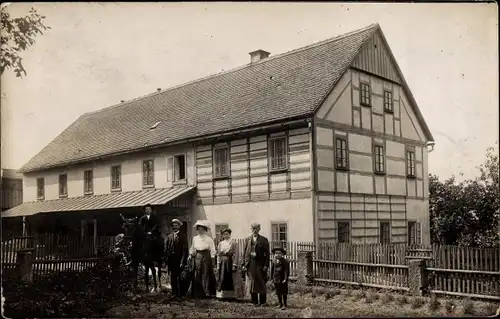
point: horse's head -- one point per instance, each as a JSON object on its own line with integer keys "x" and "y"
{"x": 129, "y": 225}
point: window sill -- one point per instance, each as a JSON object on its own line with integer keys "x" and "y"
{"x": 411, "y": 177}
{"x": 148, "y": 186}
{"x": 379, "y": 173}
{"x": 344, "y": 169}
{"x": 116, "y": 190}
{"x": 40, "y": 198}
{"x": 364, "y": 104}
{"x": 63, "y": 195}
{"x": 277, "y": 171}
{"x": 88, "y": 193}
{"x": 220, "y": 178}
{"x": 180, "y": 182}
{"x": 389, "y": 111}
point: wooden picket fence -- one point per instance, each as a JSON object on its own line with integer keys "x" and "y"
{"x": 452, "y": 270}
{"x": 54, "y": 253}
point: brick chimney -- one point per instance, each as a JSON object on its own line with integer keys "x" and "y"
{"x": 258, "y": 55}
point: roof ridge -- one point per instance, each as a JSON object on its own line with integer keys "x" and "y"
{"x": 280, "y": 55}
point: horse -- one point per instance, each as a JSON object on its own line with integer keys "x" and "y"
{"x": 146, "y": 250}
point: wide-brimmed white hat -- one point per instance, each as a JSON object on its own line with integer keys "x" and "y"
{"x": 204, "y": 223}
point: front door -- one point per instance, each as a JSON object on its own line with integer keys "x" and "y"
{"x": 89, "y": 235}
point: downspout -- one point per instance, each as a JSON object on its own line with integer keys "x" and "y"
{"x": 312, "y": 151}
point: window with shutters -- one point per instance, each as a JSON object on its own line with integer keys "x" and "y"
{"x": 116, "y": 177}
{"x": 341, "y": 161}
{"x": 388, "y": 102}
{"x": 88, "y": 182}
{"x": 63, "y": 185}
{"x": 379, "y": 163}
{"x": 344, "y": 232}
{"x": 148, "y": 173}
{"x": 414, "y": 233}
{"x": 278, "y": 153}
{"x": 385, "y": 232}
{"x": 365, "y": 94}
{"x": 221, "y": 162}
{"x": 40, "y": 188}
{"x": 279, "y": 235}
{"x": 179, "y": 167}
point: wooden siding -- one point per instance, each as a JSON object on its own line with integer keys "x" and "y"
{"x": 250, "y": 179}
{"x": 12, "y": 192}
{"x": 375, "y": 58}
{"x": 364, "y": 213}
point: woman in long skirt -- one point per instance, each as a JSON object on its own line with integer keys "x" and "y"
{"x": 230, "y": 284}
{"x": 202, "y": 256}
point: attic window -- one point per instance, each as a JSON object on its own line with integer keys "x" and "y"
{"x": 155, "y": 125}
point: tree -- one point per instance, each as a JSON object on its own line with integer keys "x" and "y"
{"x": 17, "y": 35}
{"x": 467, "y": 212}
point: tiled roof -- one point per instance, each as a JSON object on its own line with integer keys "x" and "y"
{"x": 277, "y": 88}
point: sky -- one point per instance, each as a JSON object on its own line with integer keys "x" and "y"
{"x": 97, "y": 54}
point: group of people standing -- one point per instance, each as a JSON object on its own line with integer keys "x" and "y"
{"x": 212, "y": 271}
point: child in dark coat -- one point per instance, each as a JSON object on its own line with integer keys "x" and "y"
{"x": 280, "y": 271}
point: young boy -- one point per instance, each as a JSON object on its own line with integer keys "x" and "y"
{"x": 280, "y": 271}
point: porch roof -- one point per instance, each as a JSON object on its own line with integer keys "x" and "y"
{"x": 157, "y": 196}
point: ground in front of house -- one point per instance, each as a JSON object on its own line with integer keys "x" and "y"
{"x": 306, "y": 302}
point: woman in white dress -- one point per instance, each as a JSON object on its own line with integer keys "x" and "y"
{"x": 230, "y": 285}
{"x": 202, "y": 260}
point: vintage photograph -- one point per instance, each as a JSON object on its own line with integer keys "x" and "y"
{"x": 249, "y": 160}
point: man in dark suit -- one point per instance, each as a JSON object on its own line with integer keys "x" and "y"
{"x": 176, "y": 254}
{"x": 149, "y": 223}
{"x": 255, "y": 264}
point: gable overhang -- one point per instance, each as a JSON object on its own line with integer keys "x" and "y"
{"x": 272, "y": 125}
{"x": 406, "y": 88}
{"x": 420, "y": 118}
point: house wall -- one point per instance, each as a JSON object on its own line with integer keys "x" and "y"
{"x": 251, "y": 193}
{"x": 12, "y": 192}
{"x": 358, "y": 194}
{"x": 131, "y": 174}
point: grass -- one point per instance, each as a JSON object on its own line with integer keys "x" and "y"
{"x": 304, "y": 302}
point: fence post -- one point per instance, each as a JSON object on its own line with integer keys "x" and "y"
{"x": 305, "y": 274}
{"x": 417, "y": 277}
{"x": 24, "y": 264}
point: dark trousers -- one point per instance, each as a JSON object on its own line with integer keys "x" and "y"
{"x": 259, "y": 299}
{"x": 174, "y": 270}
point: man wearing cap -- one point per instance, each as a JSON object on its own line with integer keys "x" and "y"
{"x": 255, "y": 264}
{"x": 176, "y": 254}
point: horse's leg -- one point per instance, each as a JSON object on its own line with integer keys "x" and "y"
{"x": 146, "y": 275}
{"x": 153, "y": 270}
{"x": 159, "y": 271}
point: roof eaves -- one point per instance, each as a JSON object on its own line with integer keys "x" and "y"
{"x": 258, "y": 126}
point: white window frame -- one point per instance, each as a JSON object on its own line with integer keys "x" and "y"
{"x": 119, "y": 178}
{"x": 175, "y": 168}
{"x": 217, "y": 163}
{"x": 144, "y": 185}
{"x": 63, "y": 194}
{"x": 42, "y": 195}
{"x": 283, "y": 243}
{"x": 86, "y": 182}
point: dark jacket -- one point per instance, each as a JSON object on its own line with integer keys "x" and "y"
{"x": 150, "y": 224}
{"x": 261, "y": 251}
{"x": 280, "y": 270}
{"x": 176, "y": 249}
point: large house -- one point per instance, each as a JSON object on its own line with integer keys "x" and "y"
{"x": 324, "y": 143}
